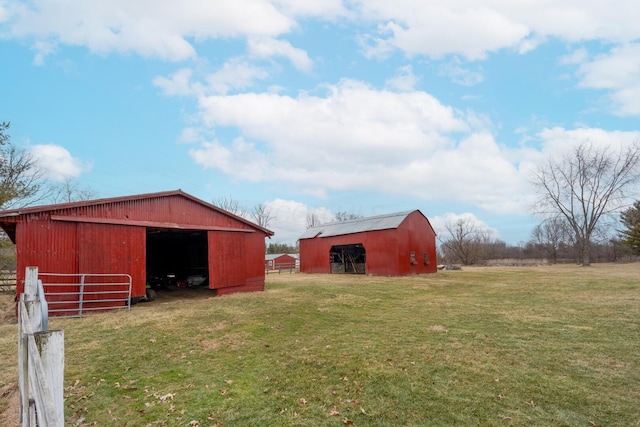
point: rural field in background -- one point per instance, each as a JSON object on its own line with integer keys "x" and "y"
{"x": 554, "y": 345}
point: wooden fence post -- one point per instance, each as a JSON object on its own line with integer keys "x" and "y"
{"x": 51, "y": 348}
{"x": 40, "y": 359}
{"x": 33, "y": 315}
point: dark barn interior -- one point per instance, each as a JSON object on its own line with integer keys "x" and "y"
{"x": 177, "y": 258}
{"x": 348, "y": 258}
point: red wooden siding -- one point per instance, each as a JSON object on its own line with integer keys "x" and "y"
{"x": 235, "y": 262}
{"x": 122, "y": 249}
{"x": 388, "y": 252}
{"x": 50, "y": 246}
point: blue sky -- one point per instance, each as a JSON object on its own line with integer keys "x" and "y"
{"x": 321, "y": 106}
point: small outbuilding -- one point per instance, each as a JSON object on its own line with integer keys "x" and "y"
{"x": 279, "y": 261}
{"x": 397, "y": 244}
{"x": 143, "y": 236}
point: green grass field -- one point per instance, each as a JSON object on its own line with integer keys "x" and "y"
{"x": 539, "y": 346}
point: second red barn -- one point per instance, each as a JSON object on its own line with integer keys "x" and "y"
{"x": 396, "y": 244}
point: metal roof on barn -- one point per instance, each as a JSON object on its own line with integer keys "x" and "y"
{"x": 271, "y": 257}
{"x": 361, "y": 225}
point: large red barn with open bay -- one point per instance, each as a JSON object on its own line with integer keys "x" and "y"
{"x": 140, "y": 235}
{"x": 387, "y": 245}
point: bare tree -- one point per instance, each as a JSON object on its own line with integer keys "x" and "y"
{"x": 230, "y": 205}
{"x": 551, "y": 235}
{"x": 70, "y": 191}
{"x": 20, "y": 178}
{"x": 261, "y": 215}
{"x": 585, "y": 185}
{"x": 465, "y": 241}
{"x": 342, "y": 216}
{"x": 313, "y": 220}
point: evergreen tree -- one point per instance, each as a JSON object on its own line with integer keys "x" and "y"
{"x": 630, "y": 235}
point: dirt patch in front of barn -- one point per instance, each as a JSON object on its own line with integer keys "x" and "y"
{"x": 172, "y": 293}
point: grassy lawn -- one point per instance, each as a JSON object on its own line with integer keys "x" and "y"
{"x": 543, "y": 346}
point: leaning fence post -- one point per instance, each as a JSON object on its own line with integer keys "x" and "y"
{"x": 29, "y": 310}
{"x": 51, "y": 348}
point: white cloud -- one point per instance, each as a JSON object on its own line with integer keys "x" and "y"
{"x": 473, "y": 30}
{"x": 619, "y": 72}
{"x": 459, "y": 74}
{"x": 359, "y": 138}
{"x": 435, "y": 29}
{"x": 143, "y": 27}
{"x": 290, "y": 218}
{"x": 269, "y": 47}
{"x": 57, "y": 163}
{"x": 557, "y": 140}
{"x": 235, "y": 74}
{"x": 169, "y": 29}
{"x": 576, "y": 57}
{"x": 173, "y": 31}
{"x": 404, "y": 80}
{"x": 42, "y": 49}
{"x": 178, "y": 84}
{"x": 241, "y": 159}
{"x": 329, "y": 9}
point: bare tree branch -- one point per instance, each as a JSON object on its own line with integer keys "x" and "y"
{"x": 584, "y": 186}
{"x": 262, "y": 215}
{"x": 230, "y": 205}
{"x": 20, "y": 178}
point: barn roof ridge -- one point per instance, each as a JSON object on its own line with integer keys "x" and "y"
{"x": 359, "y": 225}
{"x": 105, "y": 200}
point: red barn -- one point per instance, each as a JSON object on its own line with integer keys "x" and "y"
{"x": 279, "y": 261}
{"x": 142, "y": 235}
{"x": 388, "y": 245}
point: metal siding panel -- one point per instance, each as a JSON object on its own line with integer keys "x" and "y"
{"x": 52, "y": 247}
{"x": 236, "y": 260}
{"x": 382, "y": 253}
{"x": 314, "y": 256}
{"x": 105, "y": 249}
{"x": 418, "y": 235}
{"x": 225, "y": 260}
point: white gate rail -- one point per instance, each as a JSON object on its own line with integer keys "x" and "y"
{"x": 40, "y": 360}
{"x": 72, "y": 295}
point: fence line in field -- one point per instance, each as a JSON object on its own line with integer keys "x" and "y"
{"x": 280, "y": 267}
{"x": 40, "y": 359}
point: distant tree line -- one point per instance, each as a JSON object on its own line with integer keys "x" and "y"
{"x": 552, "y": 240}
{"x": 281, "y": 248}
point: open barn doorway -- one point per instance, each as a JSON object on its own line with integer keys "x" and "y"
{"x": 348, "y": 259}
{"x": 177, "y": 259}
